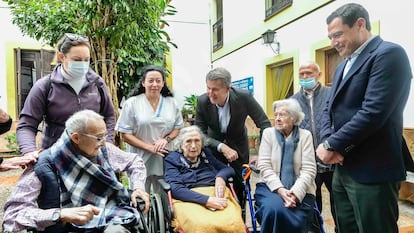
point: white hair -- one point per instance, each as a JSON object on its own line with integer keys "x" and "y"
{"x": 293, "y": 107}
{"x": 78, "y": 122}
{"x": 178, "y": 142}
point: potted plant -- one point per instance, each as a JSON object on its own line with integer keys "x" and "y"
{"x": 190, "y": 105}
{"x": 187, "y": 112}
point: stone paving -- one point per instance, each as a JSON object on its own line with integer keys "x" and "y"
{"x": 406, "y": 220}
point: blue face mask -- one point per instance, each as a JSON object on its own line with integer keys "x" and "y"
{"x": 78, "y": 69}
{"x": 307, "y": 83}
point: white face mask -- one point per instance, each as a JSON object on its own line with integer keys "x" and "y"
{"x": 78, "y": 69}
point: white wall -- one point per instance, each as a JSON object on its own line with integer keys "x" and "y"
{"x": 394, "y": 26}
{"x": 190, "y": 30}
{"x": 10, "y": 33}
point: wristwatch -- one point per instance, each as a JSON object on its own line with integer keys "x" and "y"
{"x": 327, "y": 146}
{"x": 56, "y": 215}
{"x": 168, "y": 138}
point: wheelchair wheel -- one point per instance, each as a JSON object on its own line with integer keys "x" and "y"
{"x": 317, "y": 222}
{"x": 142, "y": 227}
{"x": 156, "y": 215}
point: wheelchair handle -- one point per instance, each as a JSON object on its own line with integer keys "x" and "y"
{"x": 248, "y": 169}
{"x": 165, "y": 186}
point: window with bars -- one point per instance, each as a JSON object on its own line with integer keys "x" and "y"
{"x": 218, "y": 26}
{"x": 275, "y": 6}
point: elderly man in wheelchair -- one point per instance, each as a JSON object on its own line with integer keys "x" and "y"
{"x": 202, "y": 201}
{"x": 73, "y": 187}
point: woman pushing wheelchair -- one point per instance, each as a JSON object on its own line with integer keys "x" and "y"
{"x": 285, "y": 194}
{"x": 202, "y": 201}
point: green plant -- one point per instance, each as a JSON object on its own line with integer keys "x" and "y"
{"x": 124, "y": 35}
{"x": 185, "y": 111}
{"x": 12, "y": 142}
{"x": 190, "y": 104}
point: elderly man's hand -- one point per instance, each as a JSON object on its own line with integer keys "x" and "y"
{"x": 79, "y": 215}
{"x": 139, "y": 193}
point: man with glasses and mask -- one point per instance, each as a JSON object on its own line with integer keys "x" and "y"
{"x": 74, "y": 188}
{"x": 72, "y": 86}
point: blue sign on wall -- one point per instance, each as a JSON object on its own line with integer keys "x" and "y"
{"x": 246, "y": 83}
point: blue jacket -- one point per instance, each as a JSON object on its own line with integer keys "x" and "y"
{"x": 4, "y": 127}
{"x": 313, "y": 116}
{"x": 182, "y": 177}
{"x": 363, "y": 120}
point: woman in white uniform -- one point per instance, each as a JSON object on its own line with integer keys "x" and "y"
{"x": 149, "y": 120}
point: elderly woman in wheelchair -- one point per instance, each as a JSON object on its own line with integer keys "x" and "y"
{"x": 201, "y": 199}
{"x": 285, "y": 194}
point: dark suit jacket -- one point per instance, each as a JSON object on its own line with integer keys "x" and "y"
{"x": 4, "y": 127}
{"x": 364, "y": 116}
{"x": 242, "y": 104}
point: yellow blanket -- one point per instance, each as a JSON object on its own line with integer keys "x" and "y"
{"x": 195, "y": 218}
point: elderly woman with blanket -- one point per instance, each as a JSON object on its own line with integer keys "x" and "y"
{"x": 202, "y": 202}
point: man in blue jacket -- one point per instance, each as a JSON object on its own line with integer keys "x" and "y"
{"x": 12, "y": 163}
{"x": 363, "y": 122}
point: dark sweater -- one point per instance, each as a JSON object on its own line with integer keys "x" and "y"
{"x": 182, "y": 177}
{"x": 4, "y": 127}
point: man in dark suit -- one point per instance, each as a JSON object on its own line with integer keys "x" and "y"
{"x": 15, "y": 162}
{"x": 5, "y": 121}
{"x": 363, "y": 123}
{"x": 221, "y": 114}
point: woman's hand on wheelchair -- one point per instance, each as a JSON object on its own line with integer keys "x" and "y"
{"x": 216, "y": 203}
{"x": 140, "y": 194}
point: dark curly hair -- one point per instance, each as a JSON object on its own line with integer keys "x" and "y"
{"x": 138, "y": 89}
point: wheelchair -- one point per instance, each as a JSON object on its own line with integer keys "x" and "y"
{"x": 161, "y": 212}
{"x": 316, "y": 225}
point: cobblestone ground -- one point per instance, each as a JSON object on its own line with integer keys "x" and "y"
{"x": 406, "y": 220}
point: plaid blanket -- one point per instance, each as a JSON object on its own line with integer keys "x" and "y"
{"x": 91, "y": 182}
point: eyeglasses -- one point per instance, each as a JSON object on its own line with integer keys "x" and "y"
{"x": 98, "y": 139}
{"x": 76, "y": 37}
